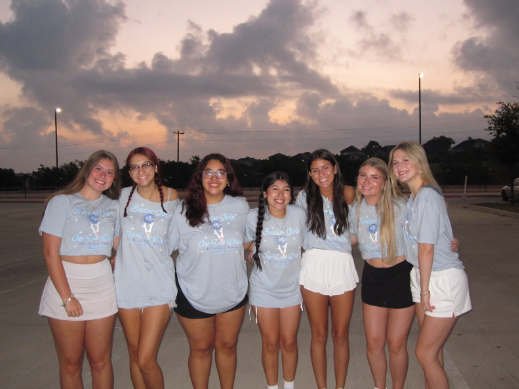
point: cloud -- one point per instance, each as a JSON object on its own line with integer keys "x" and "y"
{"x": 224, "y": 90}
{"x": 401, "y": 21}
{"x": 494, "y": 51}
{"x": 379, "y": 44}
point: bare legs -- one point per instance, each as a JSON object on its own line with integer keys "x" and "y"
{"x": 71, "y": 338}
{"x": 391, "y": 325}
{"x": 218, "y": 333}
{"x": 341, "y": 309}
{"x": 279, "y": 330}
{"x": 434, "y": 332}
{"x": 143, "y": 331}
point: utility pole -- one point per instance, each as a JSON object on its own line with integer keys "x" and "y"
{"x": 178, "y": 151}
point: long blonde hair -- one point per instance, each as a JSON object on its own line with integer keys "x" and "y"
{"x": 385, "y": 210}
{"x": 417, "y": 156}
{"x": 79, "y": 181}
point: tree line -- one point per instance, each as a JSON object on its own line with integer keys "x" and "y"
{"x": 485, "y": 163}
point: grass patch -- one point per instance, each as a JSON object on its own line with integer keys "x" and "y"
{"x": 501, "y": 206}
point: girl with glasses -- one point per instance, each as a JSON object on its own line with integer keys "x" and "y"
{"x": 439, "y": 284}
{"x": 275, "y": 231}
{"x": 328, "y": 275}
{"x": 144, "y": 271}
{"x": 208, "y": 230}
{"x": 79, "y": 228}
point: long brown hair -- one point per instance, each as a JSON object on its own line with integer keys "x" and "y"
{"x": 195, "y": 204}
{"x": 79, "y": 181}
{"x": 314, "y": 199}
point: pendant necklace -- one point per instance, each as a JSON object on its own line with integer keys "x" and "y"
{"x": 327, "y": 207}
{"x": 213, "y": 209}
{"x": 95, "y": 202}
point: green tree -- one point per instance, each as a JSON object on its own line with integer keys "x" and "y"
{"x": 503, "y": 125}
{"x": 8, "y": 178}
{"x": 371, "y": 147}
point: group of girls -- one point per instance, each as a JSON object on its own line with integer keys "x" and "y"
{"x": 211, "y": 229}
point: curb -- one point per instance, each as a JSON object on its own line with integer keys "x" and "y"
{"x": 494, "y": 211}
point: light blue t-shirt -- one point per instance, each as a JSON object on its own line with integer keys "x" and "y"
{"x": 211, "y": 268}
{"x": 85, "y": 227}
{"x": 276, "y": 285}
{"x": 426, "y": 221}
{"x": 368, "y": 229}
{"x": 144, "y": 270}
{"x": 332, "y": 241}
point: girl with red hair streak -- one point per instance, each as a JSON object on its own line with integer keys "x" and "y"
{"x": 208, "y": 230}
{"x": 144, "y": 271}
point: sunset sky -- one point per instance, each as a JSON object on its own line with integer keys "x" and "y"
{"x": 247, "y": 78}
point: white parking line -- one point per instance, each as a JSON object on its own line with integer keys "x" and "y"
{"x": 456, "y": 380}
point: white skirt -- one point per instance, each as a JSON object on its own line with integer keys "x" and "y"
{"x": 92, "y": 285}
{"x": 328, "y": 272}
{"x": 449, "y": 292}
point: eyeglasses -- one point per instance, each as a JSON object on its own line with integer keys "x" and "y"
{"x": 220, "y": 174}
{"x": 146, "y": 167}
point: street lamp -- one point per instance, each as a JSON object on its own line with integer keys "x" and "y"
{"x": 420, "y": 75}
{"x": 56, "y": 111}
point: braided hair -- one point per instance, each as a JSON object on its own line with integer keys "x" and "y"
{"x": 148, "y": 153}
{"x": 268, "y": 181}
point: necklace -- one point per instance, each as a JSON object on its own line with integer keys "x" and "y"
{"x": 212, "y": 208}
{"x": 327, "y": 207}
{"x": 283, "y": 227}
{"x": 95, "y": 203}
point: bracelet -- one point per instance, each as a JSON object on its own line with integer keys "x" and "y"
{"x": 67, "y": 301}
{"x": 427, "y": 294}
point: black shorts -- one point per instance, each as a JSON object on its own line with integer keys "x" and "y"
{"x": 388, "y": 287}
{"x": 185, "y": 309}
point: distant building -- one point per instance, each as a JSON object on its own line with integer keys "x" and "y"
{"x": 470, "y": 144}
{"x": 352, "y": 153}
{"x": 248, "y": 161}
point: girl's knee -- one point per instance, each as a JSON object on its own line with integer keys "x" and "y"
{"x": 71, "y": 367}
{"x": 99, "y": 364}
{"x": 339, "y": 337}
{"x": 396, "y": 346}
{"x": 288, "y": 345}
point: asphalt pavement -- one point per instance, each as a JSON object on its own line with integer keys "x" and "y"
{"x": 482, "y": 351}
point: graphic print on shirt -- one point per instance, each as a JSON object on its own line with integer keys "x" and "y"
{"x": 369, "y": 242}
{"x": 218, "y": 230}
{"x": 221, "y": 244}
{"x": 94, "y": 224}
{"x": 282, "y": 245}
{"x": 96, "y": 240}
{"x": 143, "y": 220}
{"x": 280, "y": 237}
{"x": 332, "y": 239}
{"x": 373, "y": 233}
{"x": 148, "y": 223}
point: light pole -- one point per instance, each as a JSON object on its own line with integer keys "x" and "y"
{"x": 178, "y": 133}
{"x": 56, "y": 111}
{"x": 420, "y": 75}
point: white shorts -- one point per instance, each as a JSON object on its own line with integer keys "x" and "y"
{"x": 328, "y": 272}
{"x": 449, "y": 292}
{"x": 92, "y": 285}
